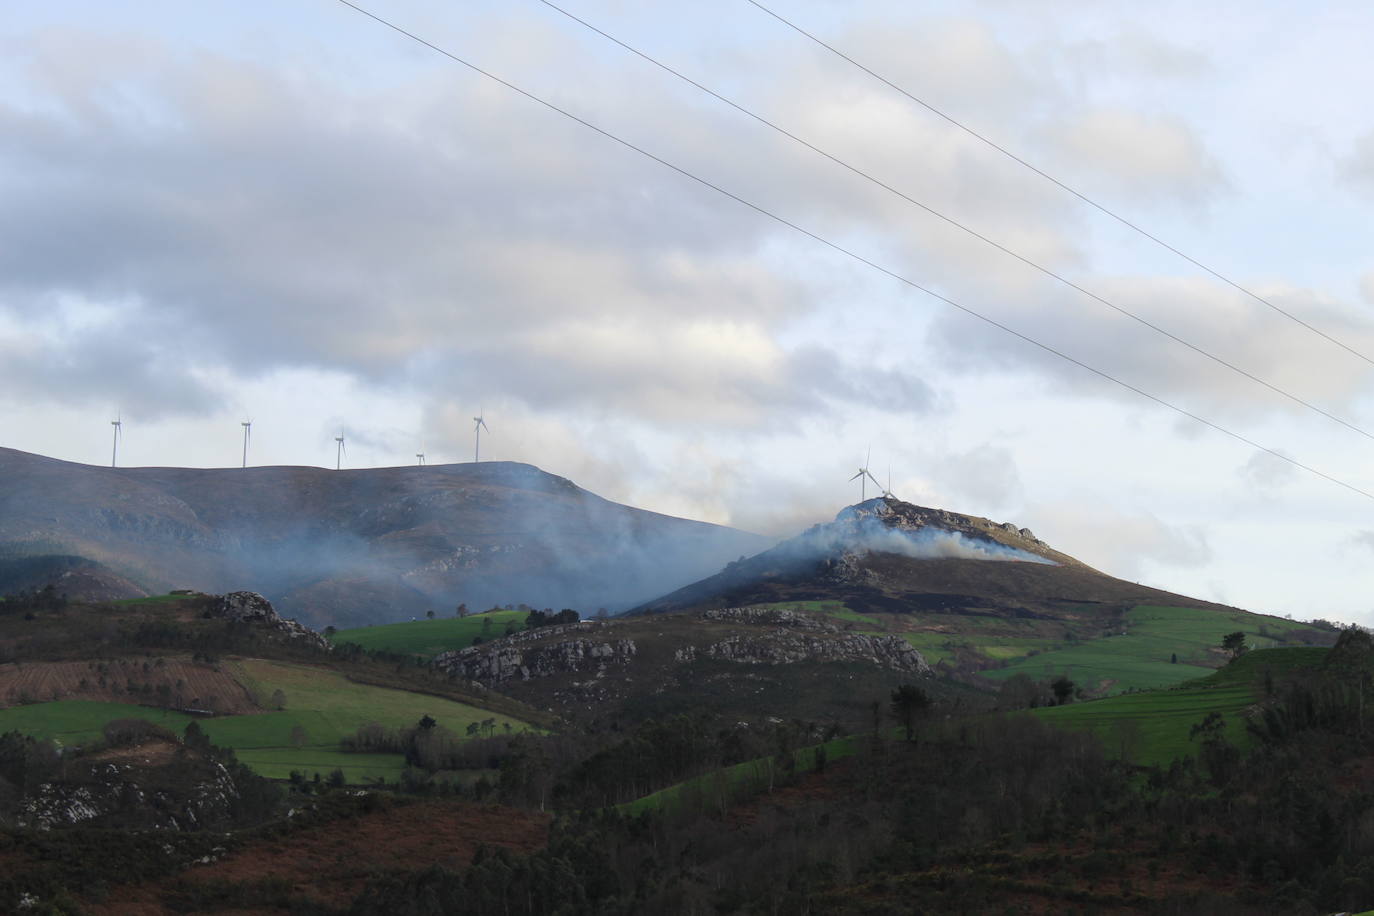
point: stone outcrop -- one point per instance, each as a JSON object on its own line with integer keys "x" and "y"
{"x": 769, "y": 617}
{"x": 792, "y": 648}
{"x": 774, "y": 636}
{"x": 515, "y": 657}
{"x": 250, "y": 607}
{"x": 109, "y": 791}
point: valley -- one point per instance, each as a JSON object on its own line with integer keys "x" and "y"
{"x": 896, "y": 667}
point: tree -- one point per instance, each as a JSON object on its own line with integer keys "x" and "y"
{"x": 278, "y": 700}
{"x": 329, "y": 631}
{"x": 462, "y": 610}
{"x": 908, "y": 702}
{"x": 1173, "y": 658}
{"x": 1063, "y": 690}
{"x": 1234, "y": 643}
{"x": 427, "y": 722}
{"x": 429, "y": 615}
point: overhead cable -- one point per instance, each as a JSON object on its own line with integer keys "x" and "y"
{"x": 1060, "y": 184}
{"x": 973, "y": 232}
{"x": 850, "y": 253}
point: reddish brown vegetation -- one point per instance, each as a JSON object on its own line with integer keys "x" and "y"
{"x": 331, "y": 863}
{"x": 173, "y": 682}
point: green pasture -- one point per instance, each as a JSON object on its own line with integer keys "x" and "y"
{"x": 323, "y": 704}
{"x": 729, "y": 782}
{"x": 428, "y": 638}
{"x": 1152, "y": 727}
{"x": 79, "y": 721}
{"x": 1140, "y": 658}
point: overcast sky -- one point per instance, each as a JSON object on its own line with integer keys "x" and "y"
{"x": 219, "y": 211}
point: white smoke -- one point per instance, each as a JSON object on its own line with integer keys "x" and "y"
{"x": 859, "y": 529}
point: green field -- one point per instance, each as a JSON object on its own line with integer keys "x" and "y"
{"x": 324, "y": 704}
{"x": 428, "y": 638}
{"x": 1152, "y": 727}
{"x": 1140, "y": 659}
{"x": 749, "y": 776}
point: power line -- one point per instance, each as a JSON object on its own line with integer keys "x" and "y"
{"x": 852, "y": 254}
{"x": 958, "y": 225}
{"x": 1055, "y": 181}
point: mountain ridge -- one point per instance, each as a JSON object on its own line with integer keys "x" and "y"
{"x": 362, "y": 545}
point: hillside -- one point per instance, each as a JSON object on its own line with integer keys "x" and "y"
{"x": 347, "y": 547}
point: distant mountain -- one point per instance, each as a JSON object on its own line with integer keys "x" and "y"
{"x": 356, "y": 546}
{"x": 893, "y": 557}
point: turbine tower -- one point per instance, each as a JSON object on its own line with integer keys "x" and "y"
{"x": 118, "y": 424}
{"x": 479, "y": 424}
{"x": 247, "y": 432}
{"x": 862, "y": 476}
{"x": 339, "y": 452}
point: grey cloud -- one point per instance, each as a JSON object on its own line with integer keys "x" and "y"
{"x": 1221, "y": 321}
{"x": 1357, "y": 168}
{"x": 1143, "y": 156}
{"x": 986, "y": 476}
{"x": 1267, "y": 471}
{"x": 1119, "y": 543}
{"x": 1364, "y": 539}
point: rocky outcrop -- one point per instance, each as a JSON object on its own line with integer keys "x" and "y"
{"x": 514, "y": 657}
{"x": 250, "y": 607}
{"x": 792, "y": 648}
{"x": 121, "y": 793}
{"x": 774, "y": 636}
{"x": 769, "y": 617}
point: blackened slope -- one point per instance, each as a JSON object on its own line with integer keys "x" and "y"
{"x": 363, "y": 545}
{"x": 832, "y": 562}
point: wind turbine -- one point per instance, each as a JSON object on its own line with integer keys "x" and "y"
{"x": 420, "y": 456}
{"x": 479, "y": 424}
{"x": 247, "y": 433}
{"x": 863, "y": 476}
{"x": 339, "y": 453}
{"x": 118, "y": 424}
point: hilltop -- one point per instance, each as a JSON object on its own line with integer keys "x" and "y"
{"x": 345, "y": 547}
{"x": 889, "y": 556}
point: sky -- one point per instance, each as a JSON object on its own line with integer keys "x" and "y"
{"x": 291, "y": 214}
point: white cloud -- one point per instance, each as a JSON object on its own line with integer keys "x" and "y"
{"x": 1144, "y": 156}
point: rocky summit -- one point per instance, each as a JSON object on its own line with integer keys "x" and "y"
{"x": 892, "y": 557}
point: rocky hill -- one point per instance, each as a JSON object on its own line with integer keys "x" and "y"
{"x": 348, "y": 547}
{"x": 891, "y": 557}
{"x": 733, "y": 663}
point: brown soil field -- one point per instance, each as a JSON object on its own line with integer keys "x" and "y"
{"x": 170, "y": 681}
{"x": 331, "y": 862}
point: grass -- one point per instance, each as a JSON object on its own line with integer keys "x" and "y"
{"x": 324, "y": 704}
{"x": 427, "y": 638}
{"x": 1153, "y": 727}
{"x": 151, "y": 599}
{"x": 731, "y": 781}
{"x": 1140, "y": 659}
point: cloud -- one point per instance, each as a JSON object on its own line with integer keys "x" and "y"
{"x": 1119, "y": 543}
{"x": 1357, "y": 168}
{"x": 1224, "y": 322}
{"x": 1144, "y": 156}
{"x": 1364, "y": 539}
{"x": 1367, "y": 287}
{"x": 1268, "y": 472}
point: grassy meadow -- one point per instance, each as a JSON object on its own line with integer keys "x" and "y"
{"x": 427, "y": 638}
{"x": 324, "y": 705}
{"x": 1140, "y": 658}
{"x": 1153, "y": 727}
